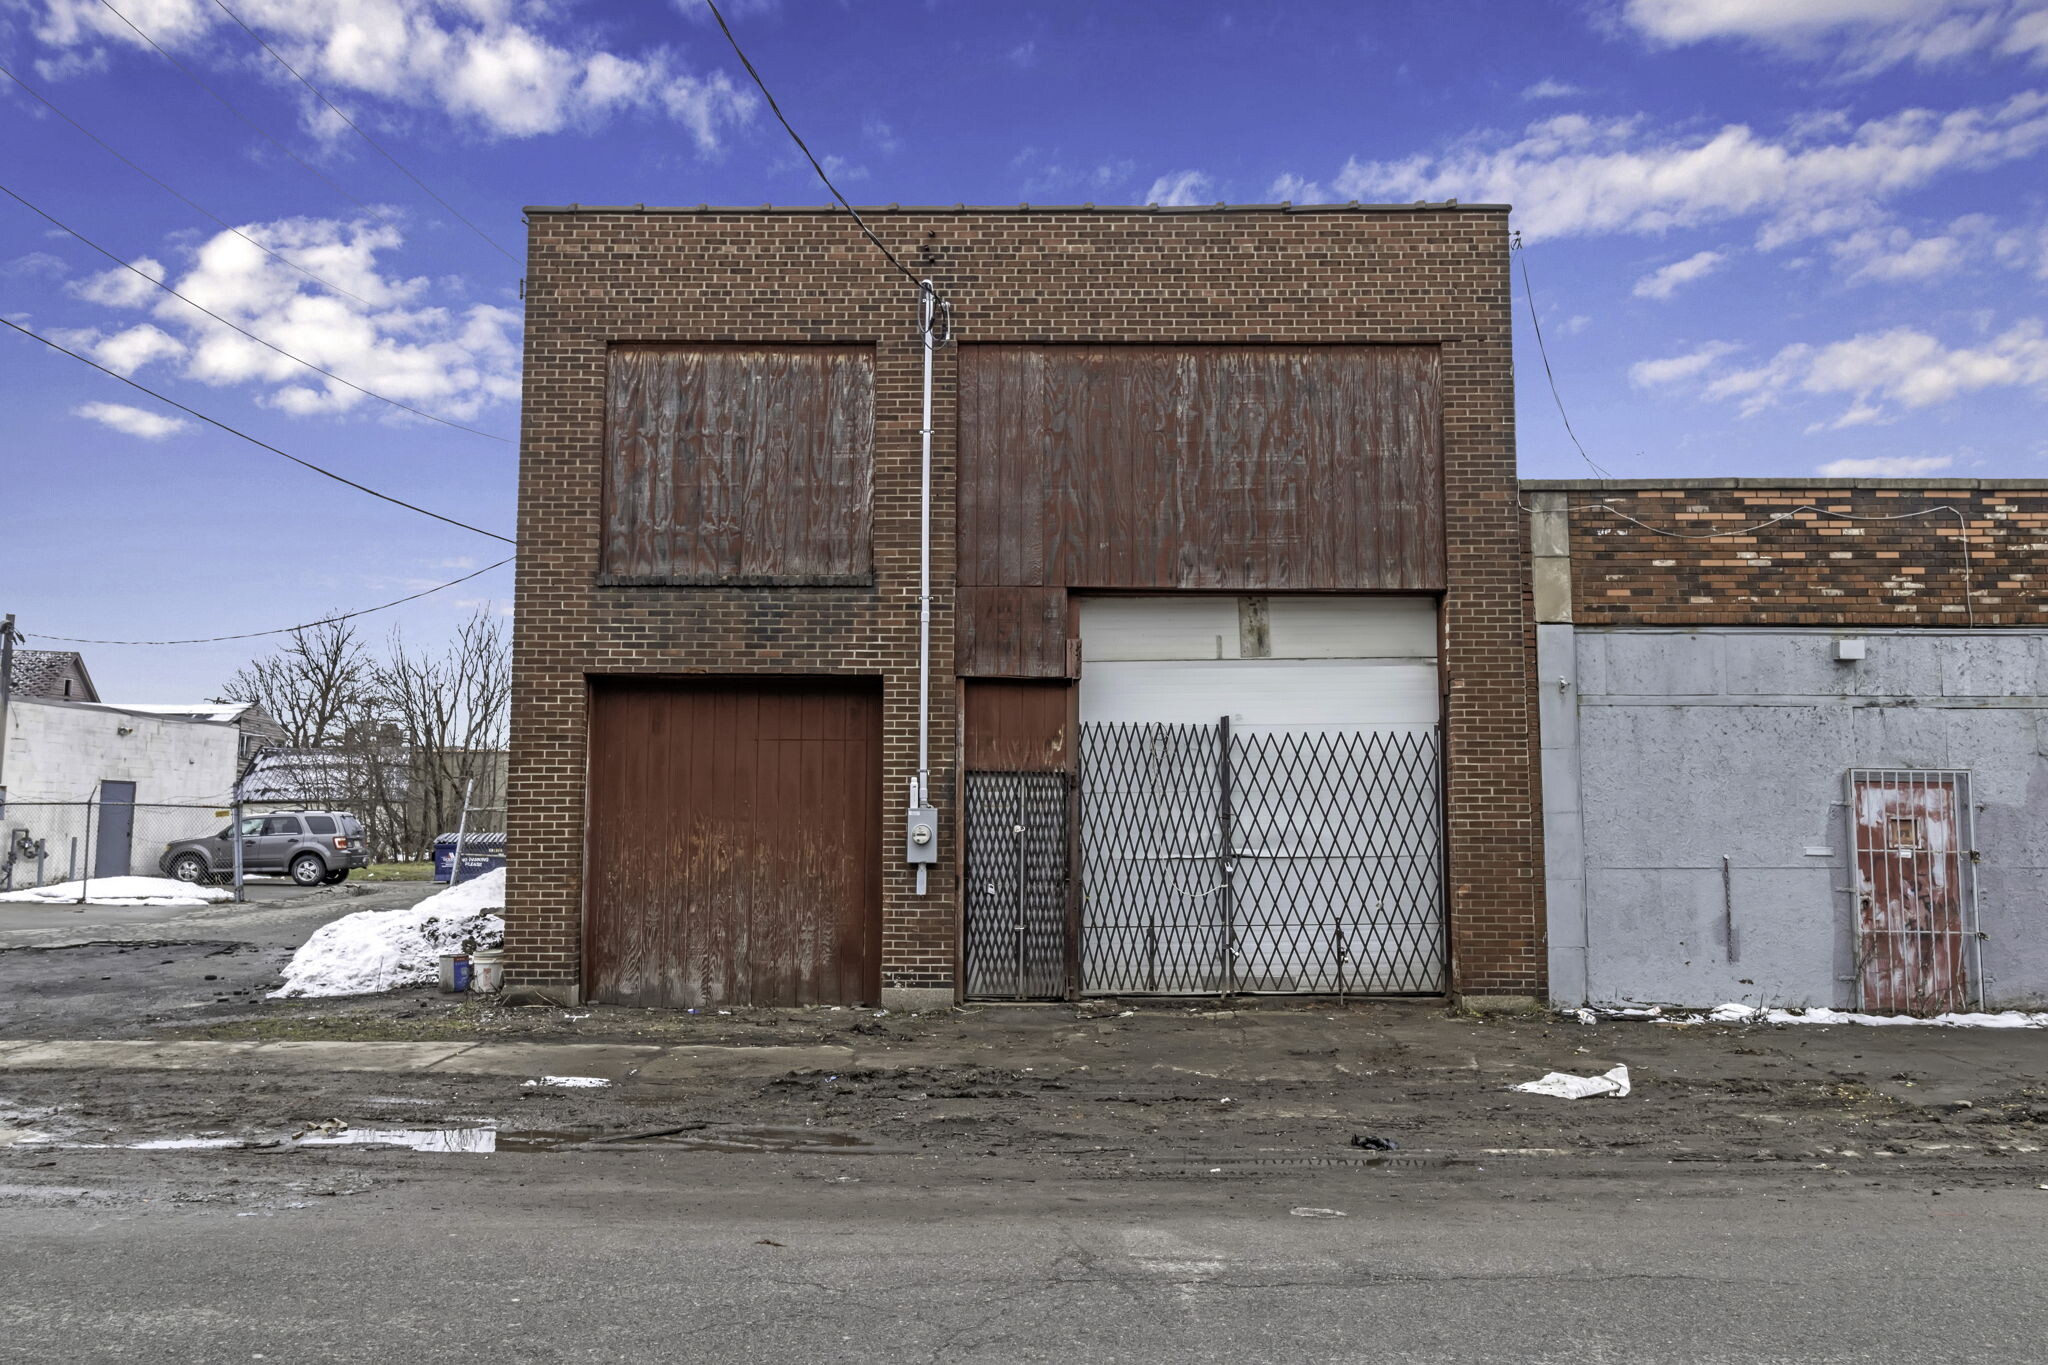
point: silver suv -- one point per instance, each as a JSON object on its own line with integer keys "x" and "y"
{"x": 312, "y": 847}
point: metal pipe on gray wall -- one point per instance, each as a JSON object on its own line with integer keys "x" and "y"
{"x": 6, "y": 686}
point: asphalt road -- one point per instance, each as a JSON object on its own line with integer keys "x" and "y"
{"x": 107, "y": 971}
{"x": 723, "y": 1258}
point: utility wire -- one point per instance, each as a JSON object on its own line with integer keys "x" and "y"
{"x": 1529, "y": 294}
{"x": 285, "y": 630}
{"x": 232, "y": 431}
{"x": 363, "y": 135}
{"x": 195, "y": 207}
{"x": 192, "y": 76}
{"x": 235, "y": 326}
{"x": 768, "y": 95}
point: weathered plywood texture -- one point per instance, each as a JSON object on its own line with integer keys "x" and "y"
{"x": 739, "y": 465}
{"x": 1281, "y": 468}
{"x": 1016, "y": 726}
{"x": 734, "y": 843}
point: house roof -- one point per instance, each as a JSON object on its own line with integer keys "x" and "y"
{"x": 40, "y": 673}
{"x": 248, "y": 714}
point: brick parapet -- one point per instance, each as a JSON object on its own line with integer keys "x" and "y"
{"x": 1861, "y": 553}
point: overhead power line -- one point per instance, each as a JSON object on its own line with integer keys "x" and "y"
{"x": 235, "y": 326}
{"x": 769, "y": 95}
{"x": 230, "y": 106}
{"x": 195, "y": 207}
{"x": 285, "y": 630}
{"x": 1529, "y": 294}
{"x": 317, "y": 94}
{"x": 234, "y": 431}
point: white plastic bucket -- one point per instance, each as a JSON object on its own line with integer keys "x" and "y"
{"x": 486, "y": 972}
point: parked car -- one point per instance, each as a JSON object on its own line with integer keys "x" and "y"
{"x": 312, "y": 847}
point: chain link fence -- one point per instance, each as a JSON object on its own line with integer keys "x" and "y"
{"x": 50, "y": 842}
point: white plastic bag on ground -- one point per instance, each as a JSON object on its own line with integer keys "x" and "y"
{"x": 380, "y": 950}
{"x": 1568, "y": 1087}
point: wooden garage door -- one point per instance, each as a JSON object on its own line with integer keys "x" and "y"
{"x": 734, "y": 846}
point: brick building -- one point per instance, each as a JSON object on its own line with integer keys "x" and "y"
{"x": 1793, "y": 739}
{"x": 1224, "y": 549}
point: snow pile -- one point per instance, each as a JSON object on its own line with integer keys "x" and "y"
{"x": 1568, "y": 1087}
{"x": 381, "y": 950}
{"x": 569, "y": 1082}
{"x": 1749, "y": 1014}
{"x": 122, "y": 891}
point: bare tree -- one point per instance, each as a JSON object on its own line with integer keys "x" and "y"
{"x": 319, "y": 686}
{"x": 450, "y": 713}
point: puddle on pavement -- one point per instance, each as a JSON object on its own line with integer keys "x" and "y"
{"x": 487, "y": 1138}
{"x": 480, "y": 1139}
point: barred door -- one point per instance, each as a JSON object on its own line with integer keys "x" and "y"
{"x": 1267, "y": 859}
{"x": 1016, "y": 911}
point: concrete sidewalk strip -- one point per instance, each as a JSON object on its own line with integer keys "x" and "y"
{"x": 612, "y": 1061}
{"x": 609, "y": 1060}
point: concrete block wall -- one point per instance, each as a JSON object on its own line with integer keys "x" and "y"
{"x": 596, "y": 276}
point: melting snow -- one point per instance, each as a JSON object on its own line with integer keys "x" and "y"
{"x": 380, "y": 950}
{"x": 570, "y": 1082}
{"x": 122, "y": 891}
{"x": 1749, "y": 1014}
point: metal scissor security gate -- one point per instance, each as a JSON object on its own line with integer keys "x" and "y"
{"x": 1016, "y": 885}
{"x": 1216, "y": 861}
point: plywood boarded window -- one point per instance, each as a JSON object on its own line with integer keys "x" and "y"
{"x": 739, "y": 465}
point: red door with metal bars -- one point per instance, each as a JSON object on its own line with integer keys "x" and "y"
{"x": 1914, "y": 939}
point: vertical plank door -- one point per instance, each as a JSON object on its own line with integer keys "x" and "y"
{"x": 734, "y": 847}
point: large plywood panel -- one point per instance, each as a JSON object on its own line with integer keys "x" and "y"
{"x": 738, "y": 465}
{"x": 1255, "y": 468}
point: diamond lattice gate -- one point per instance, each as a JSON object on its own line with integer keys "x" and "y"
{"x": 1016, "y": 939}
{"x": 1260, "y": 859}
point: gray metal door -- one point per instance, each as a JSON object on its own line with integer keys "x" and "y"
{"x": 115, "y": 853}
{"x": 1016, "y": 904}
{"x": 1304, "y": 861}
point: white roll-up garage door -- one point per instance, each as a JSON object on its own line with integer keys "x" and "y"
{"x": 1260, "y": 783}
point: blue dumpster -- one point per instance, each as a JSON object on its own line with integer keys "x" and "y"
{"x": 481, "y": 853}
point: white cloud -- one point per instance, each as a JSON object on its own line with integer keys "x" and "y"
{"x": 1893, "y": 255}
{"x": 1665, "y": 281}
{"x": 1861, "y": 36}
{"x": 1573, "y": 175}
{"x": 121, "y": 288}
{"x": 1179, "y": 188}
{"x": 1899, "y": 368}
{"x": 150, "y": 426}
{"x": 1294, "y": 189}
{"x": 1548, "y": 89}
{"x": 394, "y": 341}
{"x": 490, "y": 64}
{"x": 1649, "y": 374}
{"x": 1042, "y": 173}
{"x": 1886, "y": 466}
{"x": 1024, "y": 56}
{"x": 36, "y": 263}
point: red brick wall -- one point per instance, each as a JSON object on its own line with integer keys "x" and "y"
{"x": 1088, "y": 276}
{"x": 1827, "y": 552}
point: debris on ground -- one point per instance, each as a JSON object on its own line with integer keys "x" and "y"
{"x": 1306, "y": 1212}
{"x": 569, "y": 1082}
{"x": 1372, "y": 1142}
{"x": 373, "y": 951}
{"x": 1569, "y": 1087}
{"x": 163, "y": 891}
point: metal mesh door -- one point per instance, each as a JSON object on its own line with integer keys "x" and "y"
{"x": 1016, "y": 885}
{"x": 1273, "y": 860}
{"x": 1917, "y": 949}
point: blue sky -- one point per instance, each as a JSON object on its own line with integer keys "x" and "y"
{"x": 1767, "y": 237}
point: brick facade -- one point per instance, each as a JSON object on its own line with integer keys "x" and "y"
{"x": 1435, "y": 274}
{"x": 1821, "y": 552}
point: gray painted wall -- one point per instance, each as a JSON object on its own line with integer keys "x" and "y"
{"x": 1666, "y": 750}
